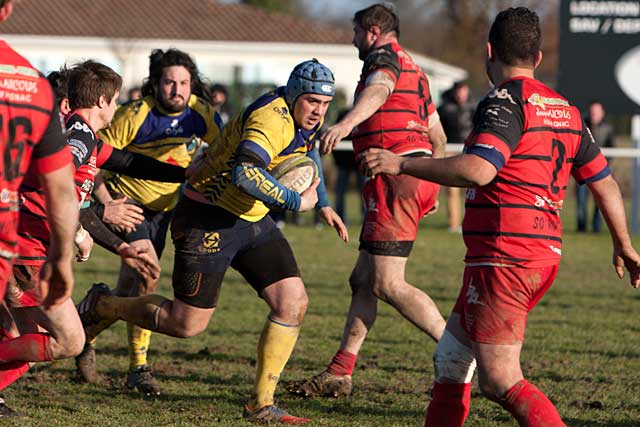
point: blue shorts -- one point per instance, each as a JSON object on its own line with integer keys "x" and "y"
{"x": 209, "y": 239}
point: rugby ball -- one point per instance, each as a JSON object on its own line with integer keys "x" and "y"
{"x": 296, "y": 173}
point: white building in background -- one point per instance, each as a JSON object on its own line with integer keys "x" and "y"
{"x": 230, "y": 42}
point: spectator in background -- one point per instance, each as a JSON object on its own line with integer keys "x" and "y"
{"x": 456, "y": 115}
{"x": 219, "y": 95}
{"x": 604, "y": 137}
{"x": 134, "y": 94}
{"x": 346, "y": 164}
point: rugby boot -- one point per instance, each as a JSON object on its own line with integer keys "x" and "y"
{"x": 6, "y": 412}
{"x": 271, "y": 414}
{"x": 87, "y": 307}
{"x": 141, "y": 379}
{"x": 324, "y": 384}
{"x": 86, "y": 365}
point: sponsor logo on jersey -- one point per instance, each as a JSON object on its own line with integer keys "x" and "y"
{"x": 502, "y": 94}
{"x": 78, "y": 149}
{"x": 542, "y": 101}
{"x": 19, "y": 69}
{"x": 83, "y": 127}
{"x": 8, "y": 196}
{"x": 284, "y": 112}
{"x": 264, "y": 185}
{"x": 174, "y": 128}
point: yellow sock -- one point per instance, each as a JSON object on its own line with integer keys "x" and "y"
{"x": 142, "y": 311}
{"x": 138, "y": 345}
{"x": 274, "y": 349}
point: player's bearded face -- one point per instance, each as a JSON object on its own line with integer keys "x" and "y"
{"x": 361, "y": 41}
{"x": 175, "y": 88}
{"x": 309, "y": 109}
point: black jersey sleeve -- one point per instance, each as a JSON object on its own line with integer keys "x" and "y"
{"x": 501, "y": 113}
{"x": 53, "y": 139}
{"x": 382, "y": 58}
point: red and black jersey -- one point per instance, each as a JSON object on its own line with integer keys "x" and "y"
{"x": 30, "y": 137}
{"x": 535, "y": 139}
{"x": 88, "y": 153}
{"x": 401, "y": 124}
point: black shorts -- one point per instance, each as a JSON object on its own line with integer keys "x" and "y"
{"x": 209, "y": 239}
{"x": 154, "y": 227}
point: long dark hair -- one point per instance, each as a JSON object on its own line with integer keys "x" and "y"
{"x": 159, "y": 60}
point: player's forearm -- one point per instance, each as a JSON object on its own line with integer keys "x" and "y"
{"x": 258, "y": 183}
{"x": 62, "y": 212}
{"x": 464, "y": 170}
{"x": 99, "y": 231}
{"x": 606, "y": 194}
{"x": 323, "y": 200}
{"x": 369, "y": 101}
{"x": 438, "y": 140}
{"x": 100, "y": 192}
{"x": 138, "y": 165}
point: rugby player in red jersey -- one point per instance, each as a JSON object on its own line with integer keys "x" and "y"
{"x": 31, "y": 138}
{"x": 526, "y": 141}
{"x": 93, "y": 91}
{"x": 393, "y": 109}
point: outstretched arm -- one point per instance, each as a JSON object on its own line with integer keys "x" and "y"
{"x": 464, "y": 170}
{"x": 369, "y": 101}
{"x": 606, "y": 194}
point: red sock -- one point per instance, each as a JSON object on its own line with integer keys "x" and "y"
{"x": 9, "y": 372}
{"x": 530, "y": 407}
{"x": 342, "y": 363}
{"x": 449, "y": 405}
{"x": 26, "y": 348}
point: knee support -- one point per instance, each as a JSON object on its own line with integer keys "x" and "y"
{"x": 453, "y": 361}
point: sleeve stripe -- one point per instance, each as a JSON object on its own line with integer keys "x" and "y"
{"x": 52, "y": 162}
{"x": 597, "y": 177}
{"x": 257, "y": 149}
{"x": 490, "y": 154}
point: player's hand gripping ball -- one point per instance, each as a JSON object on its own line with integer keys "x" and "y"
{"x": 296, "y": 173}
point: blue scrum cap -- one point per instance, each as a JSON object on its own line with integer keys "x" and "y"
{"x": 309, "y": 77}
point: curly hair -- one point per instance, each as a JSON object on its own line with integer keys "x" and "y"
{"x": 159, "y": 60}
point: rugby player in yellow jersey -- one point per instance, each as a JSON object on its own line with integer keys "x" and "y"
{"x": 174, "y": 112}
{"x": 222, "y": 221}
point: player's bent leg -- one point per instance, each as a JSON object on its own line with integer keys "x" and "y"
{"x": 336, "y": 381}
{"x": 454, "y": 364}
{"x": 131, "y": 283}
{"x": 390, "y": 286}
{"x": 288, "y": 300}
{"x": 154, "y": 312}
{"x": 501, "y": 380}
{"x": 46, "y": 334}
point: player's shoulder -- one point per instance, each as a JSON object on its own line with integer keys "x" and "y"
{"x": 271, "y": 109}
{"x": 134, "y": 111}
{"x": 509, "y": 92}
{"x": 381, "y": 57}
{"x": 77, "y": 128}
{"x": 201, "y": 106}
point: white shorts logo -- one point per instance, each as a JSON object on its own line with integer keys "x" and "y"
{"x": 473, "y": 296}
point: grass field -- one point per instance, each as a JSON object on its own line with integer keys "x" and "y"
{"x": 582, "y": 347}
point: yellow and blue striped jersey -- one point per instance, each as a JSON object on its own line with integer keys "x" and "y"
{"x": 143, "y": 127}
{"x": 267, "y": 126}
